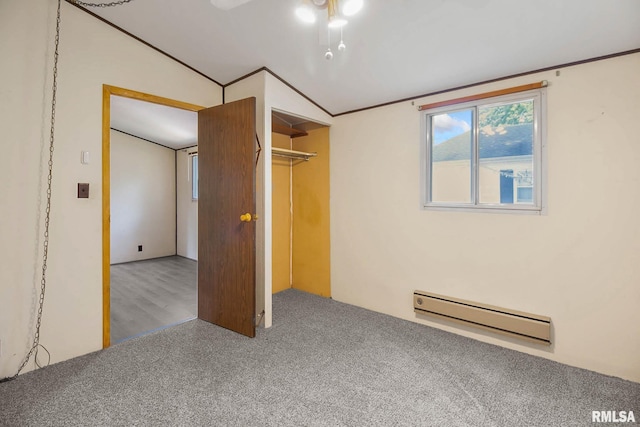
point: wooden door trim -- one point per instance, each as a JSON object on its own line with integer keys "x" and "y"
{"x": 107, "y": 91}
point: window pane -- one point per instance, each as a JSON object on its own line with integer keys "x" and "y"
{"x": 451, "y": 154}
{"x": 525, "y": 194}
{"x": 506, "y": 186}
{"x": 194, "y": 177}
{"x": 505, "y": 144}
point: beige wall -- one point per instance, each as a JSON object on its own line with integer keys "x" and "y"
{"x": 143, "y": 199}
{"x": 311, "y": 265}
{"x": 187, "y": 208}
{"x": 578, "y": 264}
{"x": 281, "y": 208}
{"x": 91, "y": 54}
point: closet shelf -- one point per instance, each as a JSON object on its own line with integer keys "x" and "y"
{"x": 292, "y": 154}
{"x": 286, "y": 130}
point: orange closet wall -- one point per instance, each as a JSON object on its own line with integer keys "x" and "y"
{"x": 281, "y": 227}
{"x": 311, "y": 241}
{"x": 301, "y": 251}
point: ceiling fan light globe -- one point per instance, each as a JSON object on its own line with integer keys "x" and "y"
{"x": 351, "y": 7}
{"x": 305, "y": 13}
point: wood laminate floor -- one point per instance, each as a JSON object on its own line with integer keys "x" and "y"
{"x": 151, "y": 294}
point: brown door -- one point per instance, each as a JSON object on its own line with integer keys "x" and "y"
{"x": 226, "y": 243}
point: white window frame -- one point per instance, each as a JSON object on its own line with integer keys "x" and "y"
{"x": 539, "y": 156}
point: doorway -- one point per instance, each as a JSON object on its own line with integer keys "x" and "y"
{"x": 120, "y": 94}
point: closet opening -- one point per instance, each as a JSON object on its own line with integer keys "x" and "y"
{"x": 300, "y": 205}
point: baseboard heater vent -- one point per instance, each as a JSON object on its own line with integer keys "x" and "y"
{"x": 527, "y": 326}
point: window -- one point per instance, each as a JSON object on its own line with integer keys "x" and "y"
{"x": 485, "y": 154}
{"x": 194, "y": 177}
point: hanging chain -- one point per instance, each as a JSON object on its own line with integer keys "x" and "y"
{"x": 43, "y": 281}
{"x": 110, "y": 4}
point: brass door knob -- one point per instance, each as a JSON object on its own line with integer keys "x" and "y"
{"x": 246, "y": 217}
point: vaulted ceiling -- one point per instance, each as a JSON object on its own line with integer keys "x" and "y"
{"x": 395, "y": 48}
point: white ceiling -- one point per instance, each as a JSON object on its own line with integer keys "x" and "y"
{"x": 395, "y": 48}
{"x": 168, "y": 126}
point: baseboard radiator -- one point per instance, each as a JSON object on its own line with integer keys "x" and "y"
{"x": 527, "y": 326}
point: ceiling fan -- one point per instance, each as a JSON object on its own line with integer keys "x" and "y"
{"x": 337, "y": 13}
{"x": 308, "y": 10}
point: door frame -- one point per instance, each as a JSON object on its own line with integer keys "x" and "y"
{"x": 107, "y": 91}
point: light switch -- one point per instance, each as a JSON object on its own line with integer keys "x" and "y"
{"x": 83, "y": 190}
{"x": 84, "y": 157}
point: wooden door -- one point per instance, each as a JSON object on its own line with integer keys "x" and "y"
{"x": 226, "y": 244}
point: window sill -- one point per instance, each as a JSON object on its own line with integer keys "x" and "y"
{"x": 487, "y": 209}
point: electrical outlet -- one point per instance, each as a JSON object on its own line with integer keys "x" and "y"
{"x": 139, "y": 248}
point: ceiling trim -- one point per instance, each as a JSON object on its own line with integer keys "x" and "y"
{"x": 246, "y": 76}
{"x": 286, "y": 83}
{"x": 384, "y": 104}
{"x": 290, "y": 86}
{"x": 144, "y": 42}
{"x": 512, "y": 76}
{"x": 145, "y": 139}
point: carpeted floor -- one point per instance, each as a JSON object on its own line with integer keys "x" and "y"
{"x": 323, "y": 363}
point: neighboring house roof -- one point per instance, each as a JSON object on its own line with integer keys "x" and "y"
{"x": 504, "y": 141}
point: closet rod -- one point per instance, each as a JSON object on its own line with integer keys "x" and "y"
{"x": 292, "y": 154}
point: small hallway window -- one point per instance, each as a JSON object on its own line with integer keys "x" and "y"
{"x": 194, "y": 177}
